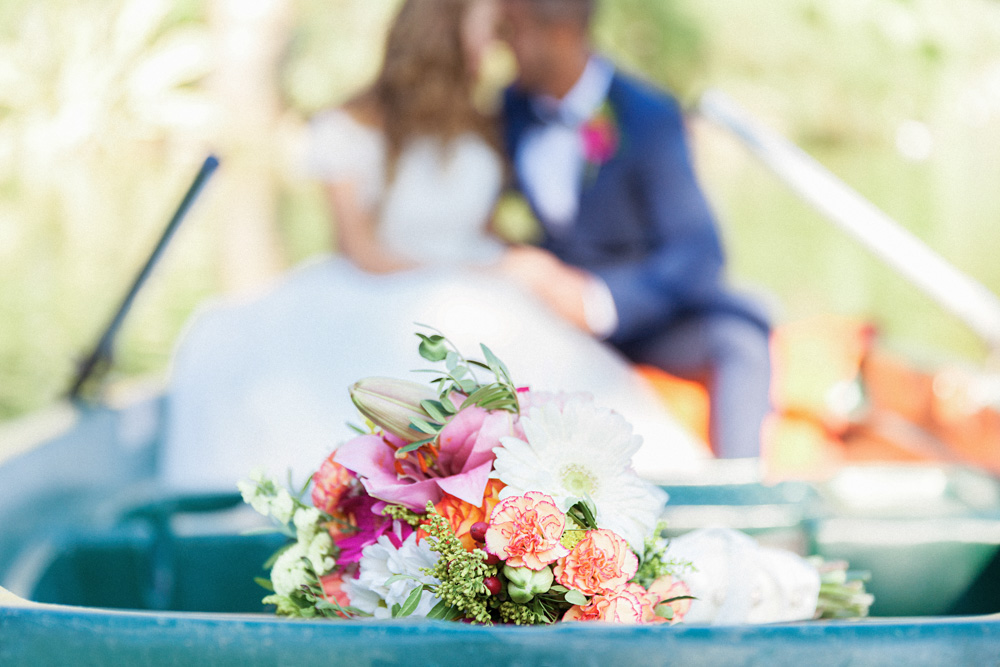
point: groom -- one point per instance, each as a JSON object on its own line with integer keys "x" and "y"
{"x": 630, "y": 250}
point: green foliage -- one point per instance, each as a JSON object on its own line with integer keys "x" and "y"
{"x": 310, "y": 602}
{"x": 656, "y": 563}
{"x": 582, "y": 514}
{"x": 404, "y": 514}
{"x": 460, "y": 378}
{"x": 535, "y": 612}
{"x": 460, "y": 572}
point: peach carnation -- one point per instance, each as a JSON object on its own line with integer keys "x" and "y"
{"x": 668, "y": 587}
{"x": 648, "y": 600}
{"x": 628, "y": 604}
{"x": 525, "y": 531}
{"x": 601, "y": 561}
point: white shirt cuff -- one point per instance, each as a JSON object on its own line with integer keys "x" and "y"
{"x": 599, "y": 309}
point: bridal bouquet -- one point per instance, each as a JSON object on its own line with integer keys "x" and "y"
{"x": 472, "y": 499}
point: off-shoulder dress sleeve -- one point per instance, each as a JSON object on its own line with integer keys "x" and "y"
{"x": 342, "y": 149}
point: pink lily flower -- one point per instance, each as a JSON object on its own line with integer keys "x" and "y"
{"x": 464, "y": 460}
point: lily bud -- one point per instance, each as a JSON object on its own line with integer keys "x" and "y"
{"x": 392, "y": 404}
{"x": 523, "y": 584}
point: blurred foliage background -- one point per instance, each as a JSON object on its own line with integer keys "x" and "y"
{"x": 108, "y": 106}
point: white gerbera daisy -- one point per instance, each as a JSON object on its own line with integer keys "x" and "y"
{"x": 381, "y": 561}
{"x": 577, "y": 451}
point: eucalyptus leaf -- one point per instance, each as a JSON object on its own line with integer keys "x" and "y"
{"x": 433, "y": 348}
{"x": 411, "y": 603}
{"x": 264, "y": 583}
{"x": 586, "y": 514}
{"x": 443, "y": 611}
{"x": 498, "y": 367}
{"x": 435, "y": 409}
{"x": 414, "y": 446}
{"x": 575, "y": 597}
{"x": 483, "y": 394}
{"x": 429, "y": 428}
{"x": 302, "y": 489}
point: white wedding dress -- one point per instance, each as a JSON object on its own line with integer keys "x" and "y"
{"x": 264, "y": 383}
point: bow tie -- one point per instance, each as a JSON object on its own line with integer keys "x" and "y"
{"x": 554, "y": 114}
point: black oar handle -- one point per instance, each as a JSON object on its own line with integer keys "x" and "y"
{"x": 101, "y": 355}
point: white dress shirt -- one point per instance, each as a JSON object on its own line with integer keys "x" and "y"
{"x": 551, "y": 162}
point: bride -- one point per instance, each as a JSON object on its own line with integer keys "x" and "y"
{"x": 412, "y": 173}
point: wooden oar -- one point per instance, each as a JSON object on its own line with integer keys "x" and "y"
{"x": 98, "y": 360}
{"x": 966, "y": 298}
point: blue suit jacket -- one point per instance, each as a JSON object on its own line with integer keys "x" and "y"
{"x": 643, "y": 224}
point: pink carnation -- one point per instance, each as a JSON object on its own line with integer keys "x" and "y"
{"x": 601, "y": 561}
{"x": 525, "y": 531}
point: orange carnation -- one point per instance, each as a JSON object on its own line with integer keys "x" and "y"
{"x": 330, "y": 483}
{"x": 601, "y": 561}
{"x": 462, "y": 515}
{"x": 525, "y": 531}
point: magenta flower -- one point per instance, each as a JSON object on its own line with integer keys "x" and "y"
{"x": 600, "y": 138}
{"x": 459, "y": 463}
{"x": 365, "y": 513}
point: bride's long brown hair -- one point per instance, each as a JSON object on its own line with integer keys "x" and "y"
{"x": 424, "y": 87}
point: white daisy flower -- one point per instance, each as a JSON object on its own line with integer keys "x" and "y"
{"x": 573, "y": 451}
{"x": 381, "y": 561}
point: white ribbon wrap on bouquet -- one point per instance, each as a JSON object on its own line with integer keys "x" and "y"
{"x": 737, "y": 581}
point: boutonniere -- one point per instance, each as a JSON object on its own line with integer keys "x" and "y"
{"x": 601, "y": 139}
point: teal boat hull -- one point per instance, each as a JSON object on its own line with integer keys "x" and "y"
{"x": 67, "y": 636}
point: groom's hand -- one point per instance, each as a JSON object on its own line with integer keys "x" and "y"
{"x": 562, "y": 287}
